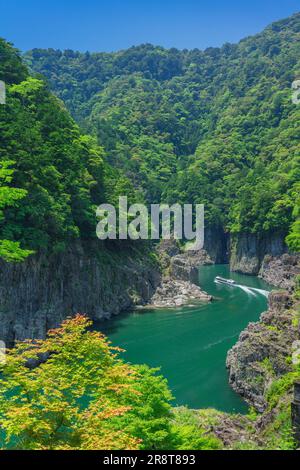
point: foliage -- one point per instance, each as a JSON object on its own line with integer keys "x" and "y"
{"x": 278, "y": 434}
{"x": 216, "y": 127}
{"x": 190, "y": 434}
{"x": 72, "y": 391}
{"x": 12, "y": 70}
{"x": 10, "y": 251}
{"x": 278, "y": 388}
{"x": 293, "y": 239}
{"x": 62, "y": 175}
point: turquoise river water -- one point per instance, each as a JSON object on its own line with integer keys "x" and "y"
{"x": 190, "y": 344}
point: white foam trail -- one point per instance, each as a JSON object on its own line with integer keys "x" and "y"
{"x": 246, "y": 289}
{"x": 211, "y": 345}
{"x": 261, "y": 291}
{"x": 254, "y": 290}
{"x": 249, "y": 290}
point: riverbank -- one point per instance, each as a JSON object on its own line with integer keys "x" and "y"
{"x": 261, "y": 369}
{"x": 263, "y": 351}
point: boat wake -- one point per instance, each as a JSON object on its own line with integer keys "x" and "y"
{"x": 261, "y": 291}
{"x": 248, "y": 290}
{"x": 253, "y": 291}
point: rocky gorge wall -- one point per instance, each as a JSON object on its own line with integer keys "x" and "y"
{"x": 281, "y": 271}
{"x": 262, "y": 353}
{"x": 40, "y": 293}
{"x": 266, "y": 257}
{"x": 180, "y": 276}
{"x": 216, "y": 245}
{"x": 247, "y": 251}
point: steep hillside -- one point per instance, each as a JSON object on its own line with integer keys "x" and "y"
{"x": 64, "y": 174}
{"x": 52, "y": 178}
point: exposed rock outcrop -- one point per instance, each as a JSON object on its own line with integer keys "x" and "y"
{"x": 262, "y": 351}
{"x": 216, "y": 245}
{"x": 41, "y": 292}
{"x": 185, "y": 266}
{"x": 232, "y": 429}
{"x": 280, "y": 271}
{"x": 180, "y": 276}
{"x": 176, "y": 293}
{"x": 248, "y": 251}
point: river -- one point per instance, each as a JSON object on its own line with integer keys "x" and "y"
{"x": 190, "y": 344}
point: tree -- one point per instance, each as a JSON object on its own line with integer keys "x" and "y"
{"x": 72, "y": 391}
{"x": 293, "y": 239}
{"x": 9, "y": 250}
{"x": 216, "y": 127}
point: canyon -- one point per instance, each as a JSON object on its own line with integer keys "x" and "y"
{"x": 40, "y": 293}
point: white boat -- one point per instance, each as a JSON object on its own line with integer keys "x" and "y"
{"x": 222, "y": 280}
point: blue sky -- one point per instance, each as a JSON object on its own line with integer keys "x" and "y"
{"x": 108, "y": 25}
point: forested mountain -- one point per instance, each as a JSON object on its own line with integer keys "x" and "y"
{"x": 52, "y": 176}
{"x": 215, "y": 126}
{"x": 84, "y": 396}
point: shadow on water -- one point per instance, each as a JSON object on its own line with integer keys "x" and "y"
{"x": 190, "y": 344}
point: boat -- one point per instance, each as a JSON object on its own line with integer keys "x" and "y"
{"x": 229, "y": 282}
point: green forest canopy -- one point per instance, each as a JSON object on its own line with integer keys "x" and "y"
{"x": 52, "y": 177}
{"x": 215, "y": 126}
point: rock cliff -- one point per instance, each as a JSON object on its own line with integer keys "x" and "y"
{"x": 281, "y": 271}
{"x": 41, "y": 292}
{"x": 178, "y": 285}
{"x": 247, "y": 251}
{"x": 263, "y": 351}
{"x": 266, "y": 257}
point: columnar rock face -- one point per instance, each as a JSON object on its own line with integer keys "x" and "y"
{"x": 215, "y": 250}
{"x": 262, "y": 351}
{"x": 266, "y": 257}
{"x": 247, "y": 251}
{"x": 216, "y": 245}
{"x": 41, "y": 292}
